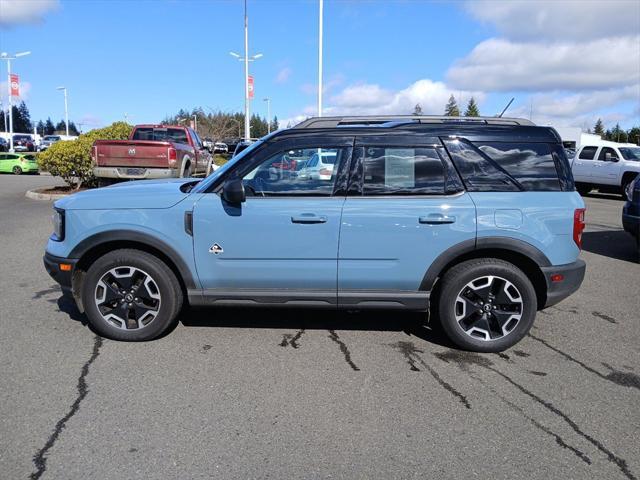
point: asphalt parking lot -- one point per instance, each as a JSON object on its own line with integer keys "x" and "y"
{"x": 300, "y": 394}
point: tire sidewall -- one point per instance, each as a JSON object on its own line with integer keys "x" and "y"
{"x": 464, "y": 273}
{"x": 160, "y": 274}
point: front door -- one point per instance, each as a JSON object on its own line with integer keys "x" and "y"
{"x": 405, "y": 213}
{"x": 608, "y": 167}
{"x": 282, "y": 242}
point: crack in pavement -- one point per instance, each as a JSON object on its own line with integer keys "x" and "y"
{"x": 343, "y": 348}
{"x": 410, "y": 352}
{"x": 623, "y": 379}
{"x": 288, "y": 339}
{"x": 40, "y": 458}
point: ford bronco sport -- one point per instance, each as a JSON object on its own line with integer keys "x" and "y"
{"x": 473, "y": 221}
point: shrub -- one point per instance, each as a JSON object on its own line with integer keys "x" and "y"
{"x": 71, "y": 160}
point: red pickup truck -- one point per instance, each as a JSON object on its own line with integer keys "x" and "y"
{"x": 152, "y": 151}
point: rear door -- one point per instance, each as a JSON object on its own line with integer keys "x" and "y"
{"x": 584, "y": 164}
{"x": 405, "y": 206}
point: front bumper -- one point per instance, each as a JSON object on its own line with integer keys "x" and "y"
{"x": 63, "y": 277}
{"x": 573, "y": 275}
{"x": 145, "y": 173}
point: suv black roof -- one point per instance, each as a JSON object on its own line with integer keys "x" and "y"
{"x": 473, "y": 128}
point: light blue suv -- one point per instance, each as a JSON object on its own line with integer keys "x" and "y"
{"x": 473, "y": 221}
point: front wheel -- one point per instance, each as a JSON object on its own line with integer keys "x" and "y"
{"x": 486, "y": 305}
{"x": 131, "y": 295}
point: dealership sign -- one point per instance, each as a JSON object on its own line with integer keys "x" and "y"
{"x": 250, "y": 86}
{"x": 15, "y": 85}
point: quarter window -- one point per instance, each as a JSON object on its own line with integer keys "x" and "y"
{"x": 402, "y": 171}
{"x": 587, "y": 153}
{"x": 312, "y": 172}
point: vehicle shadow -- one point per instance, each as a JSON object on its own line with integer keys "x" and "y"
{"x": 606, "y": 196}
{"x": 616, "y": 244}
{"x": 409, "y": 323}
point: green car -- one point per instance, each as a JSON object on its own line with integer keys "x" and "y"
{"x": 18, "y": 163}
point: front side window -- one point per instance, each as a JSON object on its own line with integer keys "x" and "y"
{"x": 587, "y": 153}
{"x": 603, "y": 153}
{"x": 402, "y": 171}
{"x": 531, "y": 164}
{"x": 282, "y": 174}
{"x": 630, "y": 153}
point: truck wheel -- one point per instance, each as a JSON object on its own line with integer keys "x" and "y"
{"x": 486, "y": 305}
{"x": 131, "y": 295}
{"x": 583, "y": 188}
{"x": 186, "y": 173}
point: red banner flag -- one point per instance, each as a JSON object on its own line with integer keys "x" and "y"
{"x": 15, "y": 85}
{"x": 250, "y": 87}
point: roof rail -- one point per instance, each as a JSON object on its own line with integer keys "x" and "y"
{"x": 394, "y": 120}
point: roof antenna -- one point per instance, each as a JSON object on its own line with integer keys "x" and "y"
{"x": 505, "y": 108}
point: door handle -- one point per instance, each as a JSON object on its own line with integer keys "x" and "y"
{"x": 436, "y": 219}
{"x": 307, "y": 218}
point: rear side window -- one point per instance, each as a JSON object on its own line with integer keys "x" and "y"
{"x": 402, "y": 171}
{"x": 531, "y": 164}
{"x": 587, "y": 153}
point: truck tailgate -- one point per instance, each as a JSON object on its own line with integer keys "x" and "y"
{"x": 136, "y": 153}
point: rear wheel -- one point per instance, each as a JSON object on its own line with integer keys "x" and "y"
{"x": 17, "y": 170}
{"x": 131, "y": 295}
{"x": 187, "y": 171}
{"x": 486, "y": 305}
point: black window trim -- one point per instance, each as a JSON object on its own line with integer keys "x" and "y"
{"x": 595, "y": 153}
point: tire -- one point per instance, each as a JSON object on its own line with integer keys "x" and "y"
{"x": 187, "y": 171}
{"x": 627, "y": 181}
{"x": 159, "y": 299}
{"x": 17, "y": 170}
{"x": 583, "y": 188}
{"x": 500, "y": 290}
{"x": 209, "y": 168}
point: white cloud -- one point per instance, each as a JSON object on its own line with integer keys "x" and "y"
{"x": 558, "y": 19}
{"x": 283, "y": 75}
{"x": 371, "y": 99}
{"x": 501, "y": 65}
{"x": 17, "y": 12}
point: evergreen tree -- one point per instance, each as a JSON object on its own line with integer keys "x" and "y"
{"x": 49, "y": 128}
{"x": 633, "y": 135}
{"x": 451, "y": 109}
{"x": 61, "y": 128}
{"x": 417, "y": 109}
{"x": 598, "y": 129}
{"x": 607, "y": 135}
{"x": 274, "y": 124}
{"x": 618, "y": 134}
{"x": 472, "y": 109}
{"x": 73, "y": 130}
{"x": 40, "y": 127}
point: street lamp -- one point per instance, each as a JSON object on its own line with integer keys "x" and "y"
{"x": 268, "y": 100}
{"x": 66, "y": 109}
{"x": 320, "y": 32}
{"x": 8, "y": 58}
{"x": 246, "y": 59}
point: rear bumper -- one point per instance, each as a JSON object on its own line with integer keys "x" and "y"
{"x": 146, "y": 173}
{"x": 52, "y": 265}
{"x": 573, "y": 275}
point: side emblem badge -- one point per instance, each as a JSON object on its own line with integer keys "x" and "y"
{"x": 216, "y": 249}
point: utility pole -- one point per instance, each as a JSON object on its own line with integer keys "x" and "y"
{"x": 8, "y": 58}
{"x": 66, "y": 109}
{"x": 320, "y": 59}
{"x": 268, "y": 100}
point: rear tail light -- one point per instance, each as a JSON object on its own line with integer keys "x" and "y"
{"x": 325, "y": 171}
{"x": 578, "y": 226}
{"x": 94, "y": 155}
{"x": 173, "y": 155}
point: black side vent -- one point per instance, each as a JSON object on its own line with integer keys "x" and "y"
{"x": 188, "y": 223}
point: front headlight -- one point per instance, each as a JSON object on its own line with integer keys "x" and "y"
{"x": 57, "y": 219}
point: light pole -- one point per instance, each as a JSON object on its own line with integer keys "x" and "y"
{"x": 320, "y": 59}
{"x": 195, "y": 123}
{"x": 246, "y": 59}
{"x": 4, "y": 114}
{"x": 268, "y": 100}
{"x": 66, "y": 109}
{"x": 8, "y": 58}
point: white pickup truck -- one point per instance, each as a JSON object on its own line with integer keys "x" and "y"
{"x": 607, "y": 166}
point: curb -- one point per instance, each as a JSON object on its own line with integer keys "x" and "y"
{"x": 35, "y": 195}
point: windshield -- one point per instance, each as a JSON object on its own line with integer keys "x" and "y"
{"x": 630, "y": 153}
{"x": 202, "y": 186}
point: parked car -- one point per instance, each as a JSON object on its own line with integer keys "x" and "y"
{"x": 4, "y": 145}
{"x": 23, "y": 143}
{"x": 320, "y": 165}
{"x": 607, "y": 166}
{"x": 18, "y": 163}
{"x": 48, "y": 140}
{"x": 631, "y": 211}
{"x": 208, "y": 144}
{"x": 476, "y": 221}
{"x": 152, "y": 151}
{"x": 241, "y": 146}
{"x": 220, "y": 147}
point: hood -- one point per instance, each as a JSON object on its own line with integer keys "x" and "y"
{"x": 140, "y": 194}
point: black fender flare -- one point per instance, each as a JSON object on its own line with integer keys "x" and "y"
{"x": 138, "y": 237}
{"x": 481, "y": 243}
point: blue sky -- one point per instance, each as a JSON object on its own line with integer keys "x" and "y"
{"x": 149, "y": 58}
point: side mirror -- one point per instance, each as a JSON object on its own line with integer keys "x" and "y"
{"x": 233, "y": 191}
{"x": 609, "y": 158}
